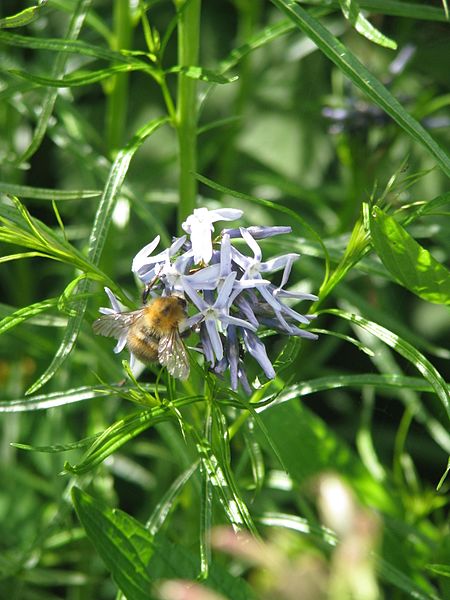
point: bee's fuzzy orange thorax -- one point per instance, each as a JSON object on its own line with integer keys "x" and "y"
{"x": 165, "y": 313}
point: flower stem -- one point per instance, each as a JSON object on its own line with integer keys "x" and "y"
{"x": 188, "y": 53}
{"x": 116, "y": 109}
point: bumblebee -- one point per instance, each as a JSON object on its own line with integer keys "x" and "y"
{"x": 152, "y": 333}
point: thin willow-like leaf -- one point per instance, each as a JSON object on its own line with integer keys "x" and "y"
{"x": 22, "y": 314}
{"x": 56, "y": 448}
{"x": 54, "y": 399}
{"x": 118, "y": 434}
{"x": 236, "y": 513}
{"x": 86, "y": 78}
{"x": 66, "y": 46}
{"x": 256, "y": 456}
{"x": 25, "y": 191}
{"x": 300, "y": 524}
{"x": 396, "y": 8}
{"x": 408, "y": 351}
{"x": 167, "y": 502}
{"x": 347, "y": 62}
{"x": 24, "y": 17}
{"x": 206, "y": 500}
{"x": 96, "y": 242}
{"x": 352, "y": 12}
{"x": 76, "y": 23}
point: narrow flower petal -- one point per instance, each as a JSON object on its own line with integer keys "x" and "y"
{"x": 257, "y": 252}
{"x": 232, "y": 352}
{"x": 258, "y": 232}
{"x": 257, "y": 349}
{"x": 114, "y": 302}
{"x": 287, "y": 270}
{"x": 142, "y": 255}
{"x": 298, "y": 295}
{"x": 275, "y": 264}
{"x": 225, "y": 214}
{"x": 225, "y": 291}
{"x": 214, "y": 337}
{"x": 121, "y": 343}
{"x": 206, "y": 345}
{"x": 229, "y": 320}
{"x": 225, "y": 256}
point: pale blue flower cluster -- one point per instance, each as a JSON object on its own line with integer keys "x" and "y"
{"x": 228, "y": 291}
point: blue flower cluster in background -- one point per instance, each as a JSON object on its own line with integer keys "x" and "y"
{"x": 228, "y": 290}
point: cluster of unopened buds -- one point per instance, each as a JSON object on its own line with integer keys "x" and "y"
{"x": 220, "y": 292}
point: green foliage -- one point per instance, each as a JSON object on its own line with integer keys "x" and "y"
{"x": 117, "y": 120}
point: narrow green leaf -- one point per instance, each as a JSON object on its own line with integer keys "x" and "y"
{"x": 408, "y": 351}
{"x": 436, "y": 569}
{"x": 167, "y": 502}
{"x": 65, "y": 397}
{"x": 124, "y": 545}
{"x": 24, "y": 17}
{"x": 22, "y": 314}
{"x": 202, "y": 74}
{"x": 432, "y": 207}
{"x": 362, "y": 77}
{"x": 300, "y": 524}
{"x": 25, "y": 191}
{"x": 21, "y": 255}
{"x": 67, "y": 46}
{"x": 54, "y": 399}
{"x": 96, "y": 242}
{"x": 75, "y": 25}
{"x": 232, "y": 504}
{"x": 352, "y": 12}
{"x": 444, "y": 476}
{"x": 115, "y": 436}
{"x": 120, "y": 432}
{"x": 56, "y": 448}
{"x": 396, "y": 8}
{"x": 411, "y": 264}
{"x": 74, "y": 80}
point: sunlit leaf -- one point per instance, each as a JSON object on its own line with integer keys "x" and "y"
{"x": 411, "y": 264}
{"x": 25, "y": 191}
{"x": 22, "y": 314}
{"x": 24, "y": 17}
{"x": 76, "y": 23}
{"x": 352, "y": 13}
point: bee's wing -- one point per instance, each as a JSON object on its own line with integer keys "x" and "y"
{"x": 115, "y": 324}
{"x": 173, "y": 355}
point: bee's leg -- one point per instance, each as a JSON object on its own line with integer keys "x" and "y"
{"x": 149, "y": 286}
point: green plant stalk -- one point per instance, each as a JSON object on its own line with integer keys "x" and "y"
{"x": 186, "y": 123}
{"x": 117, "y": 99}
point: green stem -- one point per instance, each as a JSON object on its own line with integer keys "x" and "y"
{"x": 188, "y": 54}
{"x": 116, "y": 109}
